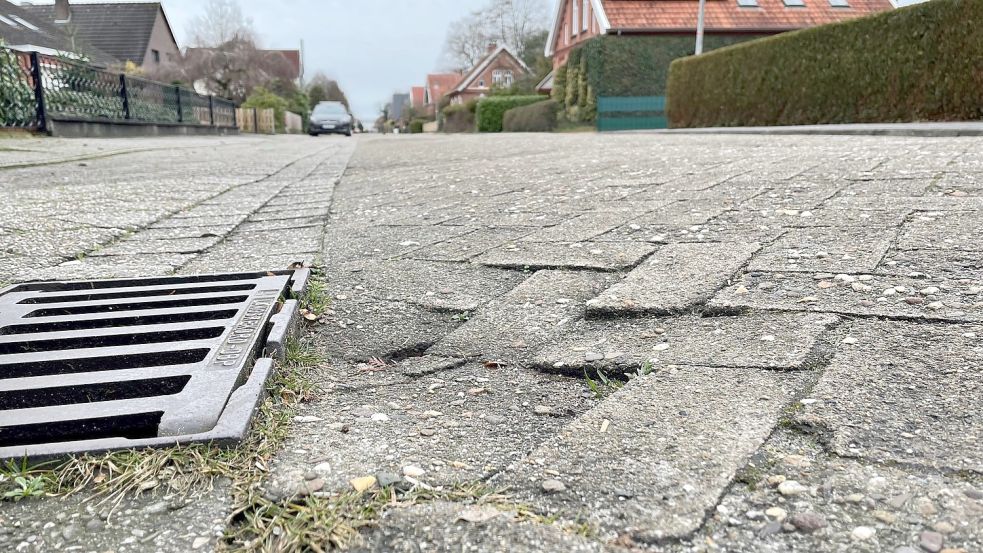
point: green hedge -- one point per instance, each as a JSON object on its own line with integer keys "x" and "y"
{"x": 538, "y": 117}
{"x": 916, "y": 63}
{"x": 490, "y": 114}
{"x": 416, "y": 126}
{"x": 457, "y": 118}
{"x": 611, "y": 65}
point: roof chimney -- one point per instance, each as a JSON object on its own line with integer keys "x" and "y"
{"x": 63, "y": 12}
{"x": 492, "y": 46}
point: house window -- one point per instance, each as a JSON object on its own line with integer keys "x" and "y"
{"x": 502, "y": 77}
{"x": 747, "y": 3}
{"x": 575, "y": 19}
{"x": 156, "y": 54}
{"x": 795, "y": 3}
{"x": 585, "y": 12}
{"x": 839, "y": 3}
{"x": 481, "y": 83}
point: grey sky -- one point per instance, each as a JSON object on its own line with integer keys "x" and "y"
{"x": 372, "y": 47}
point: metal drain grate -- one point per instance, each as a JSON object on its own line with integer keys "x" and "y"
{"x": 112, "y": 364}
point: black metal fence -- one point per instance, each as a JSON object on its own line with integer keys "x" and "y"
{"x": 37, "y": 88}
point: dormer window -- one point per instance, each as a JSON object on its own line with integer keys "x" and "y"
{"x": 839, "y": 3}
{"x": 747, "y": 3}
{"x": 794, "y": 3}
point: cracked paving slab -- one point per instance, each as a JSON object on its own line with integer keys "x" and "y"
{"x": 678, "y": 277}
{"x": 673, "y": 442}
{"x": 907, "y": 393}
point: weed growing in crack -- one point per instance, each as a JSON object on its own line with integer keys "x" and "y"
{"x": 15, "y": 488}
{"x": 316, "y": 299}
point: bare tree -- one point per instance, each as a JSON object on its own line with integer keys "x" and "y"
{"x": 234, "y": 68}
{"x": 221, "y": 22}
{"x": 467, "y": 41}
{"x": 508, "y": 22}
{"x": 322, "y": 88}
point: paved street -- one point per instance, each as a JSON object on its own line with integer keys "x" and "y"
{"x": 669, "y": 342}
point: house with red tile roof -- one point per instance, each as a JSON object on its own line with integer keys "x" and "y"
{"x": 417, "y": 97}
{"x": 576, "y": 21}
{"x": 499, "y": 68}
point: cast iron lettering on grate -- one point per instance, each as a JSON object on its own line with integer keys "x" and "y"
{"x": 101, "y": 365}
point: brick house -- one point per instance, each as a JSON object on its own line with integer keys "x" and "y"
{"x": 499, "y": 68}
{"x": 438, "y": 85}
{"x": 576, "y": 21}
{"x": 418, "y": 97}
{"x": 134, "y": 32}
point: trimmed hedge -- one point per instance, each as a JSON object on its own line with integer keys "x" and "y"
{"x": 490, "y": 114}
{"x": 538, "y": 117}
{"x": 611, "y": 65}
{"x": 916, "y": 63}
{"x": 457, "y": 118}
{"x": 416, "y": 126}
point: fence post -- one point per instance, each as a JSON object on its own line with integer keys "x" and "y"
{"x": 39, "y": 92}
{"x": 235, "y": 117}
{"x": 255, "y": 120}
{"x": 211, "y": 109}
{"x": 126, "y": 96}
{"x": 180, "y": 112}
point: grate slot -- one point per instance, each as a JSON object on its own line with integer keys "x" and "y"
{"x": 136, "y": 282}
{"x": 92, "y": 393}
{"x": 102, "y": 364}
{"x": 115, "y": 340}
{"x": 91, "y": 324}
{"x": 134, "y": 427}
{"x": 137, "y": 294}
{"x": 138, "y": 306}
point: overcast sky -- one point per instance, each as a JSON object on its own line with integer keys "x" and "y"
{"x": 372, "y": 47}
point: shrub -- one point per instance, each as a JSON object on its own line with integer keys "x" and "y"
{"x": 560, "y": 86}
{"x": 538, "y": 117}
{"x": 262, "y": 98}
{"x": 457, "y": 118}
{"x": 914, "y": 63}
{"x": 416, "y": 126}
{"x": 490, "y": 113}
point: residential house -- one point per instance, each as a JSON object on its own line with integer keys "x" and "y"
{"x": 438, "y": 85}
{"x": 293, "y": 63}
{"x": 129, "y": 32}
{"x": 418, "y": 97}
{"x": 24, "y": 31}
{"x": 499, "y": 68}
{"x": 576, "y": 21}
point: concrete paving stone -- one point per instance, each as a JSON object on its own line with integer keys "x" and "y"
{"x": 876, "y": 296}
{"x": 225, "y": 209}
{"x": 358, "y": 328}
{"x": 672, "y": 443}
{"x": 600, "y": 256}
{"x": 284, "y": 224}
{"x": 580, "y": 228}
{"x": 513, "y": 326}
{"x": 465, "y": 247}
{"x": 367, "y": 430}
{"x": 765, "y": 340}
{"x": 301, "y": 239}
{"x": 132, "y": 246}
{"x": 223, "y": 221}
{"x": 354, "y": 241}
{"x": 826, "y": 249}
{"x": 439, "y": 527}
{"x": 434, "y": 286}
{"x": 482, "y": 218}
{"x": 943, "y": 231}
{"x": 898, "y": 502}
{"x": 293, "y": 214}
{"x": 230, "y": 258}
{"x": 116, "y": 266}
{"x": 61, "y": 244}
{"x": 839, "y": 217}
{"x": 150, "y": 521}
{"x": 676, "y": 278}
{"x": 177, "y": 233}
{"x": 117, "y": 219}
{"x": 945, "y": 264}
{"x": 906, "y": 393}
{"x": 799, "y": 195}
{"x": 686, "y": 212}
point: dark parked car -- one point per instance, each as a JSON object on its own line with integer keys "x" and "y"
{"x": 330, "y": 118}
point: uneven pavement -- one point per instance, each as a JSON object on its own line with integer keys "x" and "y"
{"x": 654, "y": 342}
